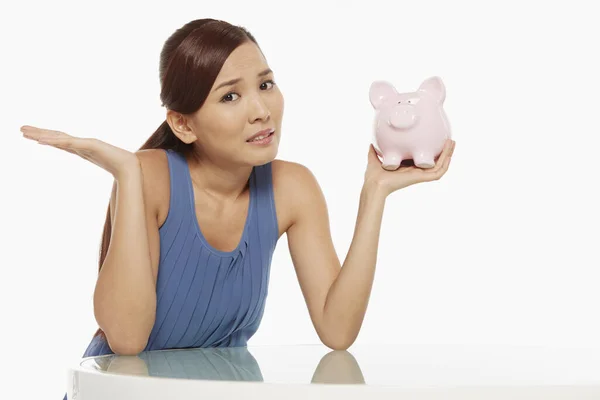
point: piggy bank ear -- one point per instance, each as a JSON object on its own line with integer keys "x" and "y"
{"x": 434, "y": 87}
{"x": 381, "y": 91}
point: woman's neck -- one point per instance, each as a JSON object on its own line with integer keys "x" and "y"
{"x": 218, "y": 181}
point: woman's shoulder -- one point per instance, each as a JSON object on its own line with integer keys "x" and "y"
{"x": 155, "y": 170}
{"x": 292, "y": 178}
{"x": 294, "y": 187}
{"x": 153, "y": 161}
{"x": 288, "y": 171}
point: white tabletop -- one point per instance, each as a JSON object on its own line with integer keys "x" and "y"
{"x": 380, "y": 372}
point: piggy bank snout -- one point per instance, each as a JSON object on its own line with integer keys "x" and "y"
{"x": 403, "y": 117}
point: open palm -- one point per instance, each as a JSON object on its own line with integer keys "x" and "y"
{"x": 113, "y": 159}
{"x": 407, "y": 175}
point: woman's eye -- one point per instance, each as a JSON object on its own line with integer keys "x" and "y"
{"x": 265, "y": 85}
{"x": 229, "y": 97}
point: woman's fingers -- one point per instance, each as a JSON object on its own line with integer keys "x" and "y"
{"x": 445, "y": 154}
{"x": 66, "y": 141}
{"x": 32, "y": 132}
{"x": 110, "y": 158}
{"x": 373, "y": 159}
{"x": 58, "y": 139}
{"x": 444, "y": 168}
{"x": 45, "y": 136}
{"x": 440, "y": 162}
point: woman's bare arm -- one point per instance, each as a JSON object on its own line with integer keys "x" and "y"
{"x": 125, "y": 294}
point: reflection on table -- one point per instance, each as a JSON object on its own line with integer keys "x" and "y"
{"x": 220, "y": 364}
{"x": 297, "y": 372}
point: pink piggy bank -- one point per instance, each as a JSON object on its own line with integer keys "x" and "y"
{"x": 409, "y": 125}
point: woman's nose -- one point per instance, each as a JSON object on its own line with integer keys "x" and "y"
{"x": 259, "y": 110}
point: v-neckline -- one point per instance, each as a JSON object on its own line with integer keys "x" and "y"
{"x": 192, "y": 200}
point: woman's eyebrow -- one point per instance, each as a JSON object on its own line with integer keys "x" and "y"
{"x": 234, "y": 81}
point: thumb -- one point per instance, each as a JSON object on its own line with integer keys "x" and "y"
{"x": 373, "y": 155}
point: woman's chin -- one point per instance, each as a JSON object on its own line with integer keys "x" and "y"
{"x": 265, "y": 158}
{"x": 261, "y": 155}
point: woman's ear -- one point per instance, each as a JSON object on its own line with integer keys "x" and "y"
{"x": 180, "y": 127}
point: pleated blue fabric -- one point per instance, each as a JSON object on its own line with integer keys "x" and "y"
{"x": 207, "y": 297}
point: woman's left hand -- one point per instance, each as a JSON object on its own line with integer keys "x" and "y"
{"x": 390, "y": 181}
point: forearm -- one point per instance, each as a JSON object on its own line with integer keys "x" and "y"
{"x": 348, "y": 296}
{"x": 125, "y": 294}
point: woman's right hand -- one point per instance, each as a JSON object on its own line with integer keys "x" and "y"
{"x": 113, "y": 159}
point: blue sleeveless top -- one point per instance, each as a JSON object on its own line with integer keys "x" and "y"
{"x": 207, "y": 297}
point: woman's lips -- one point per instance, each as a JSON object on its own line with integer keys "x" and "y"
{"x": 264, "y": 140}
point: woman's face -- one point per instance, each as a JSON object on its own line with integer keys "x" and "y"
{"x": 243, "y": 101}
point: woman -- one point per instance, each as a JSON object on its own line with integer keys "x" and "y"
{"x": 196, "y": 213}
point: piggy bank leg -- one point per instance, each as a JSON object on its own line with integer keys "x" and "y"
{"x": 423, "y": 159}
{"x": 391, "y": 161}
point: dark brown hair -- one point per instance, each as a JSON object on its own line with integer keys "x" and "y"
{"x": 190, "y": 61}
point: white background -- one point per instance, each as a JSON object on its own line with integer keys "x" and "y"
{"x": 502, "y": 250}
